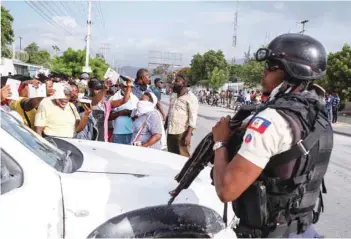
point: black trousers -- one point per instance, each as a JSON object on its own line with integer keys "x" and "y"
{"x": 335, "y": 115}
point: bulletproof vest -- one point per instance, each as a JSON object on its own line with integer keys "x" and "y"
{"x": 287, "y": 191}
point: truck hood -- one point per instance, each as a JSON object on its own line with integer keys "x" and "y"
{"x": 115, "y": 179}
{"x": 102, "y": 157}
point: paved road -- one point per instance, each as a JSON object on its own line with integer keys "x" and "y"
{"x": 335, "y": 221}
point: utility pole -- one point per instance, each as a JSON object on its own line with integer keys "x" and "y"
{"x": 20, "y": 43}
{"x": 13, "y": 50}
{"x": 303, "y": 25}
{"x": 87, "y": 68}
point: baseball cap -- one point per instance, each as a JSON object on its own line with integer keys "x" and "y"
{"x": 158, "y": 80}
{"x": 95, "y": 84}
{"x": 84, "y": 75}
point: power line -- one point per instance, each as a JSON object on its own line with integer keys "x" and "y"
{"x": 81, "y": 10}
{"x": 52, "y": 11}
{"x": 102, "y": 15}
{"x": 98, "y": 17}
{"x": 47, "y": 18}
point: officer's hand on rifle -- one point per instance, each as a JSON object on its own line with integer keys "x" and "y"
{"x": 221, "y": 131}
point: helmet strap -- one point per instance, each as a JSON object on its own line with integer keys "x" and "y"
{"x": 295, "y": 84}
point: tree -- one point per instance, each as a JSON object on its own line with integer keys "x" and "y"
{"x": 235, "y": 70}
{"x": 218, "y": 78}
{"x": 7, "y": 35}
{"x": 22, "y": 56}
{"x": 56, "y": 49}
{"x": 100, "y": 55}
{"x": 71, "y": 63}
{"x": 203, "y": 66}
{"x": 186, "y": 71}
{"x": 36, "y": 56}
{"x": 197, "y": 68}
{"x": 338, "y": 76}
{"x": 161, "y": 70}
{"x": 252, "y": 73}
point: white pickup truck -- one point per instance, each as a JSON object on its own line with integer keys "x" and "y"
{"x": 85, "y": 189}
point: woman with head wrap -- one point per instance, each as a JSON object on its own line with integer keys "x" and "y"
{"x": 147, "y": 127}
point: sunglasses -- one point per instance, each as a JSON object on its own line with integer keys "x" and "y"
{"x": 269, "y": 66}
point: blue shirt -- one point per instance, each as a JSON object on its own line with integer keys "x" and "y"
{"x": 138, "y": 92}
{"x": 157, "y": 92}
{"x": 124, "y": 124}
{"x": 335, "y": 102}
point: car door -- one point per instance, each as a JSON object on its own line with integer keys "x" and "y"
{"x": 30, "y": 204}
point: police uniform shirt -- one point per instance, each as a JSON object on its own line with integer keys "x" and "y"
{"x": 267, "y": 134}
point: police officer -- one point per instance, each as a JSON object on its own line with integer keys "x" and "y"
{"x": 275, "y": 180}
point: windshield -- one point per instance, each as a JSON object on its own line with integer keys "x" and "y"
{"x": 26, "y": 136}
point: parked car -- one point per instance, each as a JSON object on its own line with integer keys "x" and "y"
{"x": 69, "y": 188}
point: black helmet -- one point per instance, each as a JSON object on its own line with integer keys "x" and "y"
{"x": 303, "y": 57}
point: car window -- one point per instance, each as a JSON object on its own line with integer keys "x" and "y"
{"x": 11, "y": 176}
{"x": 31, "y": 140}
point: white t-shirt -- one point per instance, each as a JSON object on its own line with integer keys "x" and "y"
{"x": 268, "y": 134}
{"x": 124, "y": 124}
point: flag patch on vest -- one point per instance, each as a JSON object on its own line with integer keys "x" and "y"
{"x": 259, "y": 124}
{"x": 248, "y": 138}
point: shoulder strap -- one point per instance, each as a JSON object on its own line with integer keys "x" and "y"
{"x": 70, "y": 105}
{"x": 303, "y": 146}
{"x": 25, "y": 114}
{"x": 141, "y": 128}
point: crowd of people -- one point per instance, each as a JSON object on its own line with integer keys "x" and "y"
{"x": 128, "y": 112}
{"x": 229, "y": 98}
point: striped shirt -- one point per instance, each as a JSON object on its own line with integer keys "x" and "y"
{"x": 335, "y": 102}
{"x": 182, "y": 113}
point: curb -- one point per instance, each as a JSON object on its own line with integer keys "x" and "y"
{"x": 342, "y": 133}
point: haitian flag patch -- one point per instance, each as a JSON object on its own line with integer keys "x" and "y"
{"x": 259, "y": 124}
{"x": 248, "y": 138}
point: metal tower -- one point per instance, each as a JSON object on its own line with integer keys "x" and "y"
{"x": 235, "y": 26}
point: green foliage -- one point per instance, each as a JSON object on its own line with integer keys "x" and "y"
{"x": 338, "y": 78}
{"x": 71, "y": 63}
{"x": 186, "y": 71}
{"x": 218, "y": 78}
{"x": 7, "y": 35}
{"x": 235, "y": 71}
{"x": 22, "y": 56}
{"x": 202, "y": 66}
{"x": 251, "y": 73}
{"x": 55, "y": 48}
{"x": 36, "y": 56}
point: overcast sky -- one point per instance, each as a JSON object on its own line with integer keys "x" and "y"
{"x": 133, "y": 28}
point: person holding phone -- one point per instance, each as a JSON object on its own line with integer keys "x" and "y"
{"x": 24, "y": 106}
{"x": 58, "y": 117}
{"x": 121, "y": 116}
{"x": 102, "y": 106}
{"x": 90, "y": 131}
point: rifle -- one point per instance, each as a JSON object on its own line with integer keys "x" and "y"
{"x": 203, "y": 154}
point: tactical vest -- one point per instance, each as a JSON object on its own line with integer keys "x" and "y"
{"x": 284, "y": 198}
